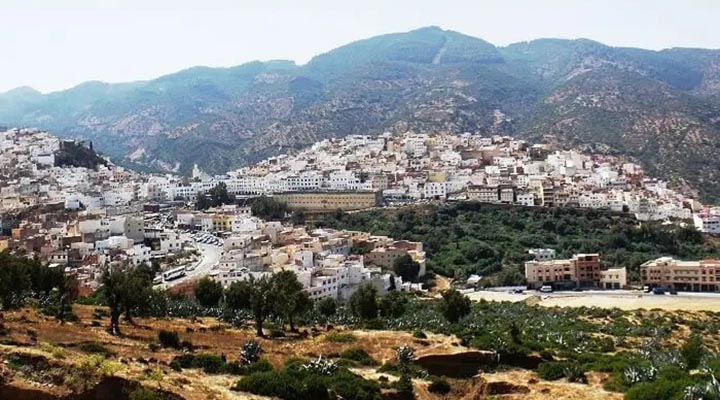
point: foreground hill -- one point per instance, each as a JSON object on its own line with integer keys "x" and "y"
{"x": 661, "y": 107}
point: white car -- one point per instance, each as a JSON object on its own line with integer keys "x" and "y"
{"x": 545, "y": 289}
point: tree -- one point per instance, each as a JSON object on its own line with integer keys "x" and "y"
{"x": 363, "y": 303}
{"x": 14, "y": 281}
{"x": 237, "y": 296}
{"x": 208, "y": 292}
{"x": 215, "y": 197}
{"x": 67, "y": 292}
{"x": 126, "y": 292}
{"x": 268, "y": 208}
{"x": 393, "y": 304}
{"x": 219, "y": 195}
{"x": 257, "y": 295}
{"x": 298, "y": 217}
{"x": 290, "y": 298}
{"x": 202, "y": 202}
{"x": 326, "y": 306}
{"x": 406, "y": 267}
{"x": 405, "y": 358}
{"x": 693, "y": 351}
{"x": 454, "y": 305}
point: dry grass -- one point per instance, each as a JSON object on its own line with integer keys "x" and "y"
{"x": 31, "y": 332}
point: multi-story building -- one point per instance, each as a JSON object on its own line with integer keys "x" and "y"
{"x": 706, "y": 222}
{"x": 582, "y": 270}
{"x": 330, "y": 201}
{"x": 694, "y": 276}
{"x": 542, "y": 254}
{"x": 485, "y": 194}
{"x": 386, "y": 252}
{"x": 435, "y": 190}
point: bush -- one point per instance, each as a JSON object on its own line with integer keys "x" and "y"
{"x": 209, "y": 363}
{"x": 552, "y": 370}
{"x": 250, "y": 352}
{"x": 327, "y": 306}
{"x": 96, "y": 348}
{"x": 169, "y": 339}
{"x": 693, "y": 351}
{"x": 404, "y": 387}
{"x": 454, "y": 305}
{"x": 419, "y": 335}
{"x": 662, "y": 389}
{"x": 364, "y": 302}
{"x": 336, "y": 337}
{"x": 175, "y": 366}
{"x": 262, "y": 365}
{"x": 297, "y": 383}
{"x": 143, "y": 394}
{"x": 358, "y": 355}
{"x": 208, "y": 292}
{"x": 439, "y": 386}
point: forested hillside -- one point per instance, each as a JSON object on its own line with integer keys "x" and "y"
{"x": 472, "y": 238}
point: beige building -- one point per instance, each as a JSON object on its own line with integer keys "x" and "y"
{"x": 330, "y": 201}
{"x": 613, "y": 278}
{"x": 695, "y": 276}
{"x": 385, "y": 254}
{"x": 582, "y": 270}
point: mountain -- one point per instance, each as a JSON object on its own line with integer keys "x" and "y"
{"x": 659, "y": 107}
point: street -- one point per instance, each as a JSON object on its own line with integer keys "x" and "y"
{"x": 209, "y": 256}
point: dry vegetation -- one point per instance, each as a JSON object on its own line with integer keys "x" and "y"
{"x": 131, "y": 356}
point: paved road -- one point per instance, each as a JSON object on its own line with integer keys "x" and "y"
{"x": 623, "y": 299}
{"x": 209, "y": 256}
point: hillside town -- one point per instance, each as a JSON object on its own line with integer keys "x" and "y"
{"x": 89, "y": 219}
{"x": 396, "y": 169}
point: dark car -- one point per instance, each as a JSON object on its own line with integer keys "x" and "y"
{"x": 658, "y": 291}
{"x": 673, "y": 291}
{"x": 577, "y": 289}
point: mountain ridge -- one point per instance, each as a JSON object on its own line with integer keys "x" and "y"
{"x": 661, "y": 107}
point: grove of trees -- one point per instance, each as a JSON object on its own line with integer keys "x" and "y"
{"x": 492, "y": 240}
{"x": 23, "y": 278}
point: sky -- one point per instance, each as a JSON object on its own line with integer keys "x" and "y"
{"x": 55, "y": 44}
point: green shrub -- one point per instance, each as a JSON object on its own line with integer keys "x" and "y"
{"x": 419, "y": 335}
{"x": 175, "y": 366}
{"x": 662, "y": 389}
{"x": 143, "y": 394}
{"x": 262, "y": 365}
{"x": 553, "y": 370}
{"x": 296, "y": 383}
{"x": 693, "y": 351}
{"x": 209, "y": 363}
{"x": 169, "y": 339}
{"x": 337, "y": 337}
{"x": 439, "y": 386}
{"x": 327, "y": 306}
{"x": 358, "y": 355}
{"x": 96, "y": 348}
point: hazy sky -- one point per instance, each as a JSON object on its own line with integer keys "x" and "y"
{"x": 56, "y": 44}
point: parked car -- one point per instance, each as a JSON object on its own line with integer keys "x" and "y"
{"x": 673, "y": 291}
{"x": 658, "y": 291}
{"x": 546, "y": 289}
